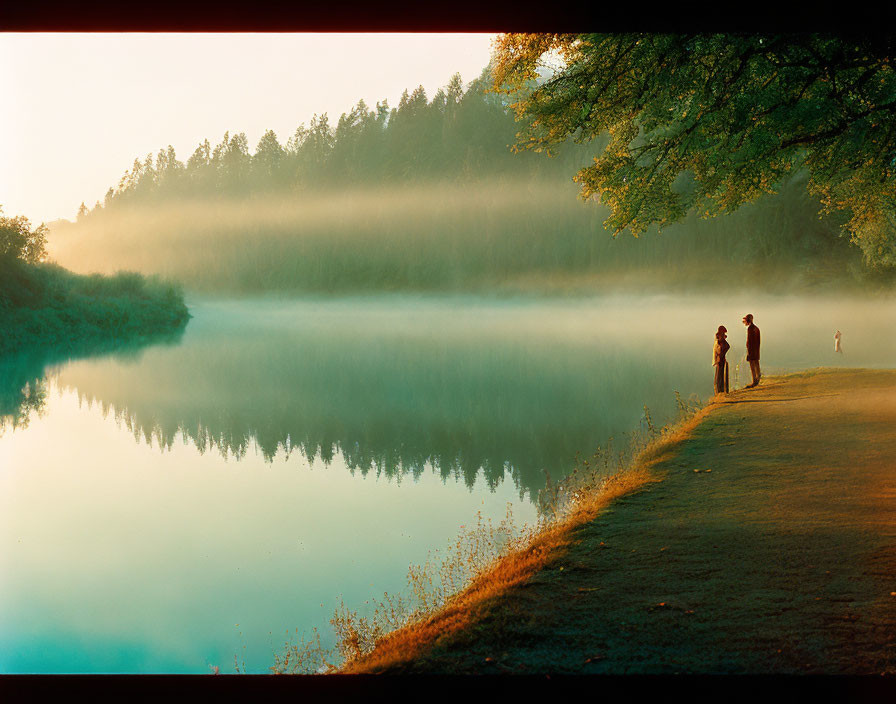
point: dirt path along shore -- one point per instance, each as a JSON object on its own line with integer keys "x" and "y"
{"x": 769, "y": 546}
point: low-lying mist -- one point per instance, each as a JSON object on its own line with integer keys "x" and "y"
{"x": 527, "y": 234}
{"x": 466, "y": 386}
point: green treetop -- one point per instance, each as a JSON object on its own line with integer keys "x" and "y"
{"x": 711, "y": 122}
{"x": 19, "y": 241}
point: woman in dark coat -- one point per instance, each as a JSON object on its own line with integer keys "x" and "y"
{"x": 719, "y": 350}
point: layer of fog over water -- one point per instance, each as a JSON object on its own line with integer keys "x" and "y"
{"x": 513, "y": 234}
{"x": 167, "y": 508}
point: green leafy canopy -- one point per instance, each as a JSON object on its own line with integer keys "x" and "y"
{"x": 711, "y": 122}
{"x": 19, "y": 241}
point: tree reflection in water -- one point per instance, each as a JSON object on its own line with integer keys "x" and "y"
{"x": 391, "y": 399}
{"x": 24, "y": 384}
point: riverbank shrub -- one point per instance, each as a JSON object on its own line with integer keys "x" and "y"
{"x": 44, "y": 304}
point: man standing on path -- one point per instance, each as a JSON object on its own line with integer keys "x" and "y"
{"x": 752, "y": 349}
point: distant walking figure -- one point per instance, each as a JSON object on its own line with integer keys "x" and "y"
{"x": 752, "y": 349}
{"x": 837, "y": 342}
{"x": 719, "y": 350}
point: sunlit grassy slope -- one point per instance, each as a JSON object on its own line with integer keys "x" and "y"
{"x": 767, "y": 546}
{"x": 513, "y": 558}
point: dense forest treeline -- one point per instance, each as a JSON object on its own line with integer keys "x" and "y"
{"x": 429, "y": 195}
{"x": 459, "y": 133}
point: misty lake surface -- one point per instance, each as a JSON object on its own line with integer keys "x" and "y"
{"x": 173, "y": 507}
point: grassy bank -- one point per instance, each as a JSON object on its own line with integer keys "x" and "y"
{"x": 448, "y": 594}
{"x": 578, "y": 500}
{"x": 766, "y": 546}
{"x": 46, "y": 305}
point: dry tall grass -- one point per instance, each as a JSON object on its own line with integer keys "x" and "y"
{"x": 449, "y": 593}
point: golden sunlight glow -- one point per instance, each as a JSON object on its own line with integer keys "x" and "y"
{"x": 86, "y": 105}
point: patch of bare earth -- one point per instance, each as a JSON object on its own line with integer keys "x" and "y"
{"x": 781, "y": 559}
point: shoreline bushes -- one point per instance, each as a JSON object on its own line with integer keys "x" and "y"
{"x": 45, "y": 304}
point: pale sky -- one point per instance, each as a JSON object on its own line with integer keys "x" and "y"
{"x": 78, "y": 108}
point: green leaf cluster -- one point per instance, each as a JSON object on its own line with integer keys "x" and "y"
{"x": 709, "y": 122}
{"x": 19, "y": 241}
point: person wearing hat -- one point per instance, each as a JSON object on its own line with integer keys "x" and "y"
{"x": 719, "y": 350}
{"x": 752, "y": 349}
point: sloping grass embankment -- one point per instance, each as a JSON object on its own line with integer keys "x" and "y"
{"x": 759, "y": 538}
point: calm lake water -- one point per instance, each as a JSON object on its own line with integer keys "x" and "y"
{"x": 169, "y": 507}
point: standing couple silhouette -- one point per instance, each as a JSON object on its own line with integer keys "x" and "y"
{"x": 721, "y": 347}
